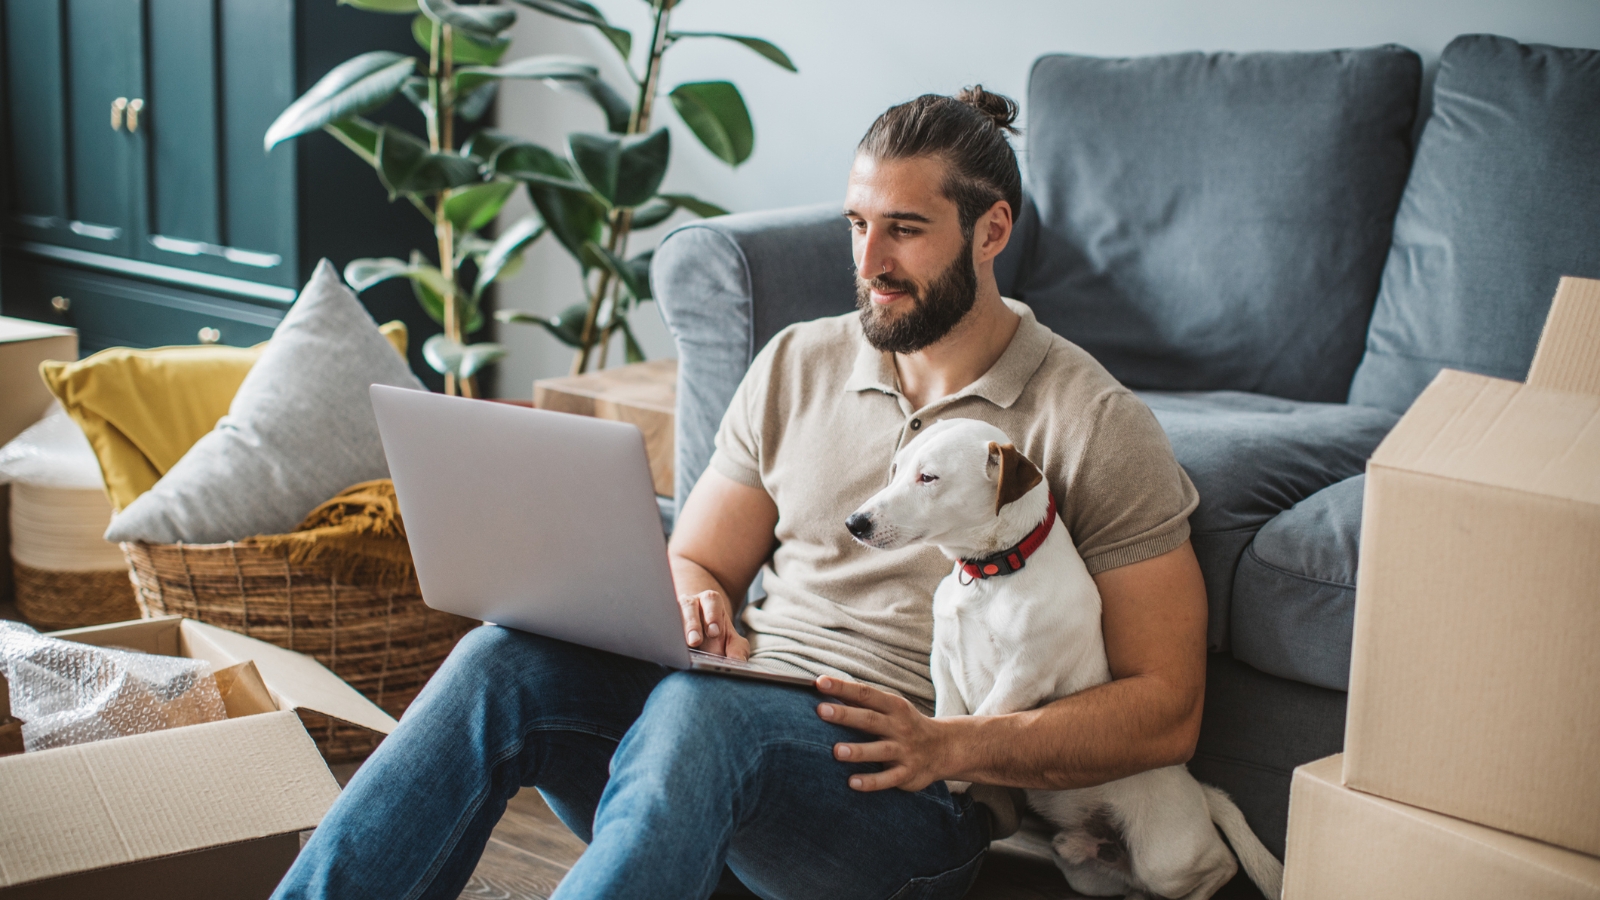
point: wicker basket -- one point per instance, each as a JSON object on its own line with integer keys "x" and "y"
{"x": 381, "y": 639}
{"x": 50, "y": 599}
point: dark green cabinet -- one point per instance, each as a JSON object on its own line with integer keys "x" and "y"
{"x": 139, "y": 204}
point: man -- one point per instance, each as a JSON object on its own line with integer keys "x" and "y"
{"x": 683, "y": 782}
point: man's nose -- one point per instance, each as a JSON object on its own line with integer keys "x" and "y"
{"x": 873, "y": 259}
{"x": 859, "y": 525}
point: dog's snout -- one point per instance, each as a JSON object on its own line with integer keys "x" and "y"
{"x": 859, "y": 525}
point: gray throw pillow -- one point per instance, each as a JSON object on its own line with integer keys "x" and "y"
{"x": 300, "y": 430}
{"x": 1501, "y": 203}
{"x": 1217, "y": 221}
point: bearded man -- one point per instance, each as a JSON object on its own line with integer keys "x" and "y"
{"x": 685, "y": 783}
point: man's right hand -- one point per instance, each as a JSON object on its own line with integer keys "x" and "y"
{"x": 708, "y": 625}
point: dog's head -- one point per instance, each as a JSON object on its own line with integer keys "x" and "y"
{"x": 949, "y": 488}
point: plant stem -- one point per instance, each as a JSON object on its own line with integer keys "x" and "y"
{"x": 621, "y": 220}
{"x": 441, "y": 139}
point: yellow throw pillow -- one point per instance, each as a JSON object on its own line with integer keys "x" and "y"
{"x": 143, "y": 409}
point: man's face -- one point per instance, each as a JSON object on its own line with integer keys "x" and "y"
{"x": 915, "y": 278}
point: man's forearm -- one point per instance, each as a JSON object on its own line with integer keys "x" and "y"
{"x": 1104, "y": 733}
{"x": 689, "y": 577}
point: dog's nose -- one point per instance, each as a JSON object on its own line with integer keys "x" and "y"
{"x": 859, "y": 525}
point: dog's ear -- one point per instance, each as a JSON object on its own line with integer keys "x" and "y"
{"x": 1017, "y": 474}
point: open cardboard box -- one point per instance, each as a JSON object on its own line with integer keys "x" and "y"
{"x": 204, "y": 811}
{"x": 1475, "y": 670}
{"x": 1346, "y": 844}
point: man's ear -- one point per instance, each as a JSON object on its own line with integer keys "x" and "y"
{"x": 1017, "y": 474}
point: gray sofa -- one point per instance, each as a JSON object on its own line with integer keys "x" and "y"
{"x": 1262, "y": 247}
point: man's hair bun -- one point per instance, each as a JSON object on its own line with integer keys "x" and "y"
{"x": 1000, "y": 109}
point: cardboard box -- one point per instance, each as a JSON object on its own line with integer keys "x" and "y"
{"x": 1475, "y": 670}
{"x": 644, "y": 394}
{"x": 211, "y": 810}
{"x": 1345, "y": 844}
{"x": 23, "y": 345}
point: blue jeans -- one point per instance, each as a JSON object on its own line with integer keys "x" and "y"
{"x": 673, "y": 778}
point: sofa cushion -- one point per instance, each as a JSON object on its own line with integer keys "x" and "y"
{"x": 1252, "y": 457}
{"x": 1294, "y": 594}
{"x": 1501, "y": 203}
{"x": 1218, "y": 221}
{"x": 299, "y": 430}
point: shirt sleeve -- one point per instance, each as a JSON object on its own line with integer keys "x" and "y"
{"x": 738, "y": 439}
{"x": 1129, "y": 499}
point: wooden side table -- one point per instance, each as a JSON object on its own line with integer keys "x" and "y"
{"x": 643, "y": 394}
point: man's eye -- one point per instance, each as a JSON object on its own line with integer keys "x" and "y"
{"x": 926, "y": 478}
{"x": 905, "y": 232}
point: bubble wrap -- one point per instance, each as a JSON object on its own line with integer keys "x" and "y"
{"x": 68, "y": 693}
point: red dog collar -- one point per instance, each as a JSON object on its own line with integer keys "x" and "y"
{"x": 1007, "y": 561}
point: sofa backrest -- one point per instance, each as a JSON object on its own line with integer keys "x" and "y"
{"x": 1217, "y": 221}
{"x": 1504, "y": 199}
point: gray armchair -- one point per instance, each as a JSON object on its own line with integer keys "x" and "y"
{"x": 1246, "y": 240}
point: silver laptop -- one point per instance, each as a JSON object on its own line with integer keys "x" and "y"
{"x": 540, "y": 521}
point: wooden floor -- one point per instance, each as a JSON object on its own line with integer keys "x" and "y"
{"x": 531, "y": 850}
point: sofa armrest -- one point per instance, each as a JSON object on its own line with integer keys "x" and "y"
{"x": 725, "y": 286}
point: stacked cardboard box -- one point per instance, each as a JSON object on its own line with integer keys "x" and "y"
{"x": 1472, "y": 748}
{"x": 25, "y": 399}
{"x": 643, "y": 395}
{"x": 203, "y": 811}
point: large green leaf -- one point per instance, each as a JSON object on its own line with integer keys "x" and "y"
{"x": 716, "y": 113}
{"x": 664, "y": 205}
{"x": 472, "y": 106}
{"x": 507, "y": 247}
{"x": 634, "y": 273}
{"x": 765, "y": 48}
{"x": 566, "y": 327}
{"x": 429, "y": 286}
{"x": 535, "y": 165}
{"x": 618, "y": 111}
{"x": 382, "y": 6}
{"x": 406, "y": 166}
{"x": 483, "y": 145}
{"x": 574, "y": 217}
{"x": 464, "y": 48}
{"x": 353, "y": 87}
{"x": 415, "y": 89}
{"x": 586, "y": 14}
{"x": 448, "y": 357}
{"x": 471, "y": 208}
{"x": 481, "y": 22}
{"x": 624, "y": 171}
{"x": 361, "y": 274}
{"x": 359, "y": 135}
{"x": 540, "y": 68}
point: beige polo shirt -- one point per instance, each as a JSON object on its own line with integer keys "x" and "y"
{"x": 816, "y": 423}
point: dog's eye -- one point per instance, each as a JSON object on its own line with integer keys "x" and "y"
{"x": 926, "y": 478}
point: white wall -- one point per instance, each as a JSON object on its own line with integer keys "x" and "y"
{"x": 857, "y": 57}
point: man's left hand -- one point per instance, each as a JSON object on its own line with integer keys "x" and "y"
{"x": 914, "y": 750}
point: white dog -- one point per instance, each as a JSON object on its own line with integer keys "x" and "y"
{"x": 1017, "y": 625}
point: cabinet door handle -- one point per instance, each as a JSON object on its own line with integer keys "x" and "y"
{"x": 60, "y": 304}
{"x": 209, "y": 335}
{"x": 118, "y": 107}
{"x": 135, "y": 106}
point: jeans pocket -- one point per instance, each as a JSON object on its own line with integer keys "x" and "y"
{"x": 951, "y": 885}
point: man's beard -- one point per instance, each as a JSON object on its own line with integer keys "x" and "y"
{"x": 936, "y": 310}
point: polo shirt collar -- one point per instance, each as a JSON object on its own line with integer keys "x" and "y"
{"x": 1001, "y": 385}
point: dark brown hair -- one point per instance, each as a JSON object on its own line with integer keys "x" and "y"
{"x": 968, "y": 131}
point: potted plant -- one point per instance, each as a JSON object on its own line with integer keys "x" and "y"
{"x": 589, "y": 196}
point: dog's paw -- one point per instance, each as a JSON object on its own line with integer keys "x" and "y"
{"x": 958, "y": 787}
